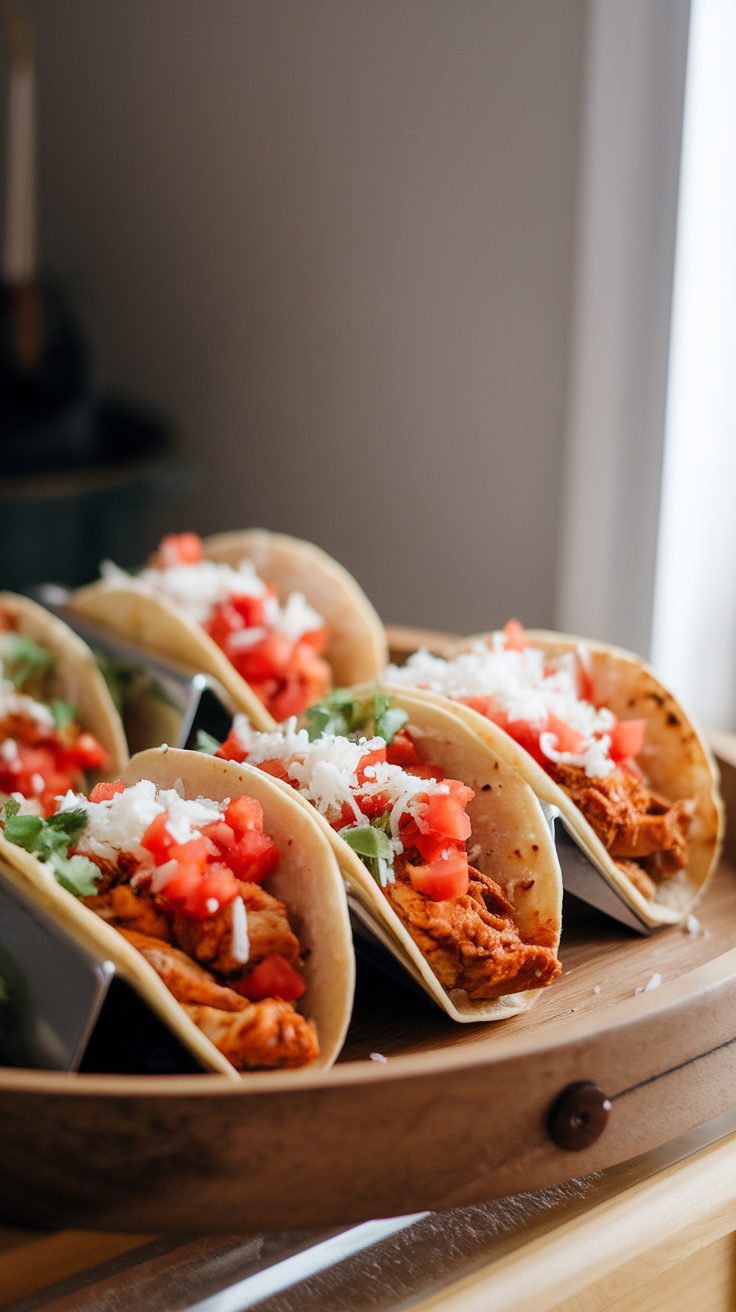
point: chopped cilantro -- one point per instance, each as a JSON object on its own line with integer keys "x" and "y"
{"x": 206, "y": 743}
{"x": 50, "y": 840}
{"x": 373, "y": 845}
{"x": 63, "y": 713}
{"x": 342, "y": 712}
{"x": 22, "y": 658}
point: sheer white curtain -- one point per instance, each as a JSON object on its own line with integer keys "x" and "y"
{"x": 694, "y": 636}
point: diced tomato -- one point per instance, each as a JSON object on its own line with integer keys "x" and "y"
{"x": 105, "y": 792}
{"x": 372, "y": 805}
{"x": 444, "y": 814}
{"x": 253, "y": 857}
{"x": 444, "y": 878}
{"x": 266, "y": 659}
{"x": 222, "y": 836}
{"x": 231, "y": 750}
{"x": 316, "y": 639}
{"x": 514, "y": 635}
{"x": 216, "y": 885}
{"x": 181, "y": 549}
{"x": 88, "y": 753}
{"x": 276, "y": 768}
{"x": 568, "y": 739}
{"x": 426, "y": 771}
{"x": 245, "y": 813}
{"x": 627, "y": 739}
{"x": 157, "y": 840}
{"x": 274, "y": 977}
{"x": 483, "y": 705}
{"x": 222, "y": 623}
{"x": 370, "y": 758}
{"x": 193, "y": 853}
{"x": 585, "y": 683}
{"x": 526, "y": 735}
{"x": 402, "y": 751}
{"x": 251, "y": 610}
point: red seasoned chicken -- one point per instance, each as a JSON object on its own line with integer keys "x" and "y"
{"x": 632, "y": 822}
{"x": 251, "y": 1035}
{"x": 471, "y": 941}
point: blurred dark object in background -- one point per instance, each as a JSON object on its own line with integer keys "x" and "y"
{"x": 79, "y": 468}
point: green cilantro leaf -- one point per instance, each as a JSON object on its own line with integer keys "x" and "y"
{"x": 206, "y": 743}
{"x": 50, "y": 840}
{"x": 12, "y": 807}
{"x": 64, "y": 714}
{"x": 373, "y": 845}
{"x": 367, "y": 841}
{"x": 23, "y": 830}
{"x": 22, "y": 658}
{"x": 341, "y": 712}
{"x": 76, "y": 874}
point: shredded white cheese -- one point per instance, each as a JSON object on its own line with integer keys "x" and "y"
{"x": 326, "y": 774}
{"x": 240, "y": 947}
{"x": 119, "y": 823}
{"x": 525, "y": 685}
{"x": 202, "y": 585}
{"x": 19, "y": 703}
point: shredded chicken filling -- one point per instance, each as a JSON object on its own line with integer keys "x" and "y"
{"x": 189, "y": 954}
{"x": 646, "y": 835}
{"x": 471, "y": 942}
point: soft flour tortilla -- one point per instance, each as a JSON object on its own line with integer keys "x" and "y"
{"x": 307, "y": 880}
{"x": 357, "y": 648}
{"x": 74, "y": 676}
{"x": 514, "y": 847}
{"x": 676, "y": 762}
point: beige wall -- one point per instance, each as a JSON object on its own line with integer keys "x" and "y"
{"x": 334, "y": 239}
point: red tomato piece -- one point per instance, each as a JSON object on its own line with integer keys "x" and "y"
{"x": 253, "y": 857}
{"x": 402, "y": 751}
{"x": 216, "y": 885}
{"x": 444, "y": 814}
{"x": 105, "y": 792}
{"x": 267, "y": 659}
{"x": 193, "y": 853}
{"x": 181, "y": 549}
{"x": 231, "y": 750}
{"x": 277, "y": 769}
{"x": 221, "y": 835}
{"x": 627, "y": 739}
{"x": 370, "y": 758}
{"x": 274, "y": 977}
{"x": 514, "y": 635}
{"x": 484, "y": 706}
{"x": 89, "y": 753}
{"x": 251, "y": 610}
{"x": 157, "y": 840}
{"x": 444, "y": 878}
{"x": 568, "y": 739}
{"x": 245, "y": 813}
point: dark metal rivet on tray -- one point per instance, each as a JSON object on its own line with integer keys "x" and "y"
{"x": 578, "y": 1116}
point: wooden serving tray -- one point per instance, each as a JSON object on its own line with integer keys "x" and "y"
{"x": 456, "y": 1114}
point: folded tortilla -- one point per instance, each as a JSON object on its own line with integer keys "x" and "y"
{"x": 307, "y": 880}
{"x": 675, "y": 760}
{"x": 510, "y": 842}
{"x": 74, "y": 676}
{"x": 357, "y": 642}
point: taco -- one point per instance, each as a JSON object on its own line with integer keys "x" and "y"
{"x": 276, "y": 620}
{"x": 216, "y": 897}
{"x": 445, "y": 850}
{"x": 58, "y": 726}
{"x": 595, "y": 733}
